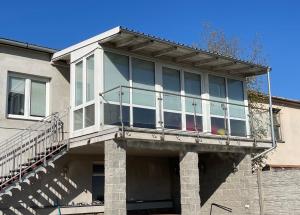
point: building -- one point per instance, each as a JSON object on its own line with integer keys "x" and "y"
{"x": 126, "y": 122}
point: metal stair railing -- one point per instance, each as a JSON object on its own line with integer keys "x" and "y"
{"x": 30, "y": 148}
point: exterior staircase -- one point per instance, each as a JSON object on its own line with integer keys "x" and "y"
{"x": 31, "y": 151}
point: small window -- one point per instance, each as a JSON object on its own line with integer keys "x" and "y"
{"x": 27, "y": 96}
{"x": 276, "y": 122}
{"x": 78, "y": 84}
{"x": 143, "y": 117}
{"x": 98, "y": 183}
{"x": 90, "y": 78}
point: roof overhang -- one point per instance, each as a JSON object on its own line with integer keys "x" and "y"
{"x": 151, "y": 46}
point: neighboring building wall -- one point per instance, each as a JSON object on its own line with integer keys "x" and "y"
{"x": 226, "y": 180}
{"x": 35, "y": 63}
{"x": 287, "y": 152}
{"x": 281, "y": 192}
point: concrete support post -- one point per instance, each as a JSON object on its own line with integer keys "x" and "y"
{"x": 189, "y": 183}
{"x": 115, "y": 178}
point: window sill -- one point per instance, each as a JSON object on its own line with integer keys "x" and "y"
{"x": 21, "y": 117}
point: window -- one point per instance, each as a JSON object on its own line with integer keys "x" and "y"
{"x": 217, "y": 92}
{"x": 276, "y": 122}
{"x": 84, "y": 110}
{"x": 143, "y": 76}
{"x": 235, "y": 112}
{"x": 27, "y": 96}
{"x": 172, "y": 103}
{"x": 98, "y": 183}
{"x": 193, "y": 106}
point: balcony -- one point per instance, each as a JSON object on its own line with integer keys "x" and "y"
{"x": 144, "y": 115}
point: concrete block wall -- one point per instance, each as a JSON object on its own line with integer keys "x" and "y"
{"x": 115, "y": 178}
{"x": 226, "y": 180}
{"x": 189, "y": 183}
{"x": 281, "y": 192}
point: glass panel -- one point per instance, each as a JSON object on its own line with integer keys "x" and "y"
{"x": 217, "y": 126}
{"x": 143, "y": 77}
{"x": 16, "y": 96}
{"x": 143, "y": 118}
{"x": 192, "y": 85}
{"x": 172, "y": 120}
{"x": 238, "y": 128}
{"x": 78, "y": 119}
{"x": 116, "y": 73}
{"x": 89, "y": 116}
{"x": 190, "y": 123}
{"x": 90, "y": 78}
{"x": 38, "y": 99}
{"x": 78, "y": 84}
{"x": 236, "y": 96}
{"x": 217, "y": 91}
{"x": 171, "y": 83}
{"x": 112, "y": 114}
{"x": 98, "y": 188}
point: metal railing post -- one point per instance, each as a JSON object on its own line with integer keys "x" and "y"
{"x": 224, "y": 107}
{"x": 195, "y": 119}
{"x": 121, "y": 109}
{"x": 160, "y": 113}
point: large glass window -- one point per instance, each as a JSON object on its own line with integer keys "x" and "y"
{"x": 193, "y": 103}
{"x": 143, "y": 76}
{"x": 98, "y": 183}
{"x": 16, "y": 96}
{"x": 78, "y": 84}
{"x": 217, "y": 92}
{"x": 116, "y": 73}
{"x": 26, "y": 96}
{"x": 90, "y": 78}
{"x": 172, "y": 101}
{"x": 237, "y": 112}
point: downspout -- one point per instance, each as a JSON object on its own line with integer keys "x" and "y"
{"x": 274, "y": 143}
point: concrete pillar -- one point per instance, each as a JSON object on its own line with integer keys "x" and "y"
{"x": 189, "y": 184}
{"x": 115, "y": 178}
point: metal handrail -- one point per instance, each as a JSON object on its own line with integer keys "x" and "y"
{"x": 23, "y": 151}
{"x": 224, "y": 105}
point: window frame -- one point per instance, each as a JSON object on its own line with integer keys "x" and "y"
{"x": 245, "y": 103}
{"x": 277, "y": 113}
{"x": 84, "y": 103}
{"x": 206, "y": 116}
{"x": 28, "y": 78}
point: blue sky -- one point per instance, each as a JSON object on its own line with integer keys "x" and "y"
{"x": 60, "y": 23}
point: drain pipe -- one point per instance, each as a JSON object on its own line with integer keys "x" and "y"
{"x": 274, "y": 143}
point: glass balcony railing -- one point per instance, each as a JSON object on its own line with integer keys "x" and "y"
{"x": 166, "y": 111}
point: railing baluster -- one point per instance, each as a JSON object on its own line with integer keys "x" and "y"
{"x": 160, "y": 109}
{"x": 121, "y": 109}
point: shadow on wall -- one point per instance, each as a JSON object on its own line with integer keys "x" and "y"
{"x": 44, "y": 193}
{"x": 214, "y": 171}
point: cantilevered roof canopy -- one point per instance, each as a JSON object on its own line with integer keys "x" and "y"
{"x": 151, "y": 46}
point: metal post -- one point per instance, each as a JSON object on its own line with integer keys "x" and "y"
{"x": 226, "y": 127}
{"x": 274, "y": 144}
{"x": 160, "y": 109}
{"x": 121, "y": 109}
{"x": 195, "y": 121}
{"x": 271, "y": 109}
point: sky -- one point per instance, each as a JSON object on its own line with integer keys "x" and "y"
{"x": 60, "y": 23}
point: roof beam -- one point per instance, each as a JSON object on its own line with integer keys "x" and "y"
{"x": 239, "y": 70}
{"x": 126, "y": 41}
{"x": 222, "y": 66}
{"x": 205, "y": 61}
{"x": 185, "y": 57}
{"x": 164, "y": 51}
{"x": 140, "y": 45}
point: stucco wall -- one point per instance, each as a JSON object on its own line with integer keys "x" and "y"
{"x": 34, "y": 63}
{"x": 287, "y": 153}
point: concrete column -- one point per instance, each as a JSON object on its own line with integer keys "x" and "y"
{"x": 189, "y": 184}
{"x": 115, "y": 178}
